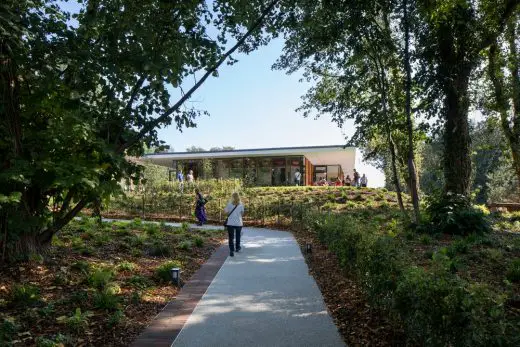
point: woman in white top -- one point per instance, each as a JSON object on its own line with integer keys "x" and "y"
{"x": 235, "y": 211}
{"x": 190, "y": 178}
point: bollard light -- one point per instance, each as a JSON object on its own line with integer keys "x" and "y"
{"x": 308, "y": 248}
{"x": 176, "y": 276}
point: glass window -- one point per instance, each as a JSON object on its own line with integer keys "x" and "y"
{"x": 237, "y": 168}
{"x": 332, "y": 173}
{"x": 264, "y": 172}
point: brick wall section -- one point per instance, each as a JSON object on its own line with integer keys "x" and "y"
{"x": 169, "y": 322}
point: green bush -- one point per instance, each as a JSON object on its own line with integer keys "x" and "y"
{"x": 100, "y": 278}
{"x": 77, "y": 322}
{"x": 163, "y": 271}
{"x": 25, "y": 294}
{"x": 199, "y": 241}
{"x": 126, "y": 266}
{"x": 159, "y": 249}
{"x": 106, "y": 301}
{"x": 513, "y": 272}
{"x": 454, "y": 214}
{"x": 185, "y": 245}
{"x": 138, "y": 281}
{"x": 436, "y": 306}
{"x": 8, "y": 329}
{"x": 116, "y": 318}
{"x": 58, "y": 341}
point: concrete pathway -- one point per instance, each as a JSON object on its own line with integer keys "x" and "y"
{"x": 264, "y": 296}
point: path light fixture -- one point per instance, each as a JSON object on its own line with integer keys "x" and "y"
{"x": 176, "y": 276}
{"x": 308, "y": 248}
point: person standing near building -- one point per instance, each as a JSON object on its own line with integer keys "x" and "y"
{"x": 297, "y": 177}
{"x": 180, "y": 178}
{"x": 356, "y": 178}
{"x": 348, "y": 181}
{"x": 363, "y": 181}
{"x": 234, "y": 223}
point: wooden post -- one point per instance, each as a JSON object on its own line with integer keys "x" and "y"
{"x": 278, "y": 213}
{"x": 219, "y": 210}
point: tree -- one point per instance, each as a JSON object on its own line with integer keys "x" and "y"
{"x": 506, "y": 91}
{"x": 222, "y": 149}
{"x": 77, "y": 99}
{"x": 195, "y": 149}
{"x": 451, "y": 37}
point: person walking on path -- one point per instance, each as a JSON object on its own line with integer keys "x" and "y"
{"x": 356, "y": 178}
{"x": 297, "y": 177}
{"x": 235, "y": 211}
{"x": 180, "y": 178}
{"x": 200, "y": 209}
{"x": 363, "y": 181}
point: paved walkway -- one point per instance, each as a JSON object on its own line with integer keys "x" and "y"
{"x": 264, "y": 296}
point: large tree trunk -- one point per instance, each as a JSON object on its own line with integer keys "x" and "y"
{"x": 457, "y": 160}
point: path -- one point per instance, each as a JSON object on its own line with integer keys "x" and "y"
{"x": 264, "y": 296}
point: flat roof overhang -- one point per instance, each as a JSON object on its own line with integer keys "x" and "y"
{"x": 317, "y": 155}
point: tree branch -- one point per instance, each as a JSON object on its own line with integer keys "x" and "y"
{"x": 47, "y": 234}
{"x": 165, "y": 116}
{"x": 510, "y": 8}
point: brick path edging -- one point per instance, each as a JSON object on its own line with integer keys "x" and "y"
{"x": 169, "y": 322}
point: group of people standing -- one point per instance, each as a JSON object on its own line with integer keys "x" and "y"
{"x": 190, "y": 179}
{"x": 356, "y": 181}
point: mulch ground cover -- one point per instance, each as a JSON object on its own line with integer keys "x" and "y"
{"x": 40, "y": 298}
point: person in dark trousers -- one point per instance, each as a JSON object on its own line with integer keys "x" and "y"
{"x": 235, "y": 211}
{"x": 356, "y": 178}
{"x": 200, "y": 209}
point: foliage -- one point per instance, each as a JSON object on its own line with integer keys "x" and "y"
{"x": 185, "y": 245}
{"x": 77, "y": 322}
{"x": 199, "y": 241}
{"x": 435, "y": 305}
{"x": 453, "y": 214}
{"x": 106, "y": 300}
{"x": 77, "y": 99}
{"x": 116, "y": 318}
{"x": 126, "y": 266}
{"x": 8, "y": 329}
{"x": 163, "y": 272}
{"x": 513, "y": 273}
{"x": 100, "y": 278}
{"x": 25, "y": 294}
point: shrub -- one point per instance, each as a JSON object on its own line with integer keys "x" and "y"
{"x": 81, "y": 266}
{"x": 163, "y": 271}
{"x": 441, "y": 309}
{"x": 513, "y": 271}
{"x": 116, "y": 318}
{"x": 8, "y": 329}
{"x": 77, "y": 321}
{"x": 185, "y": 245}
{"x": 152, "y": 229}
{"x": 453, "y": 214}
{"x": 138, "y": 281}
{"x": 159, "y": 249}
{"x": 25, "y": 294}
{"x": 100, "y": 278}
{"x": 58, "y": 341}
{"x": 126, "y": 266}
{"x": 106, "y": 300}
{"x": 78, "y": 298}
{"x": 199, "y": 241}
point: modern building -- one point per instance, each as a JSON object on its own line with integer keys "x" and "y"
{"x": 264, "y": 166}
